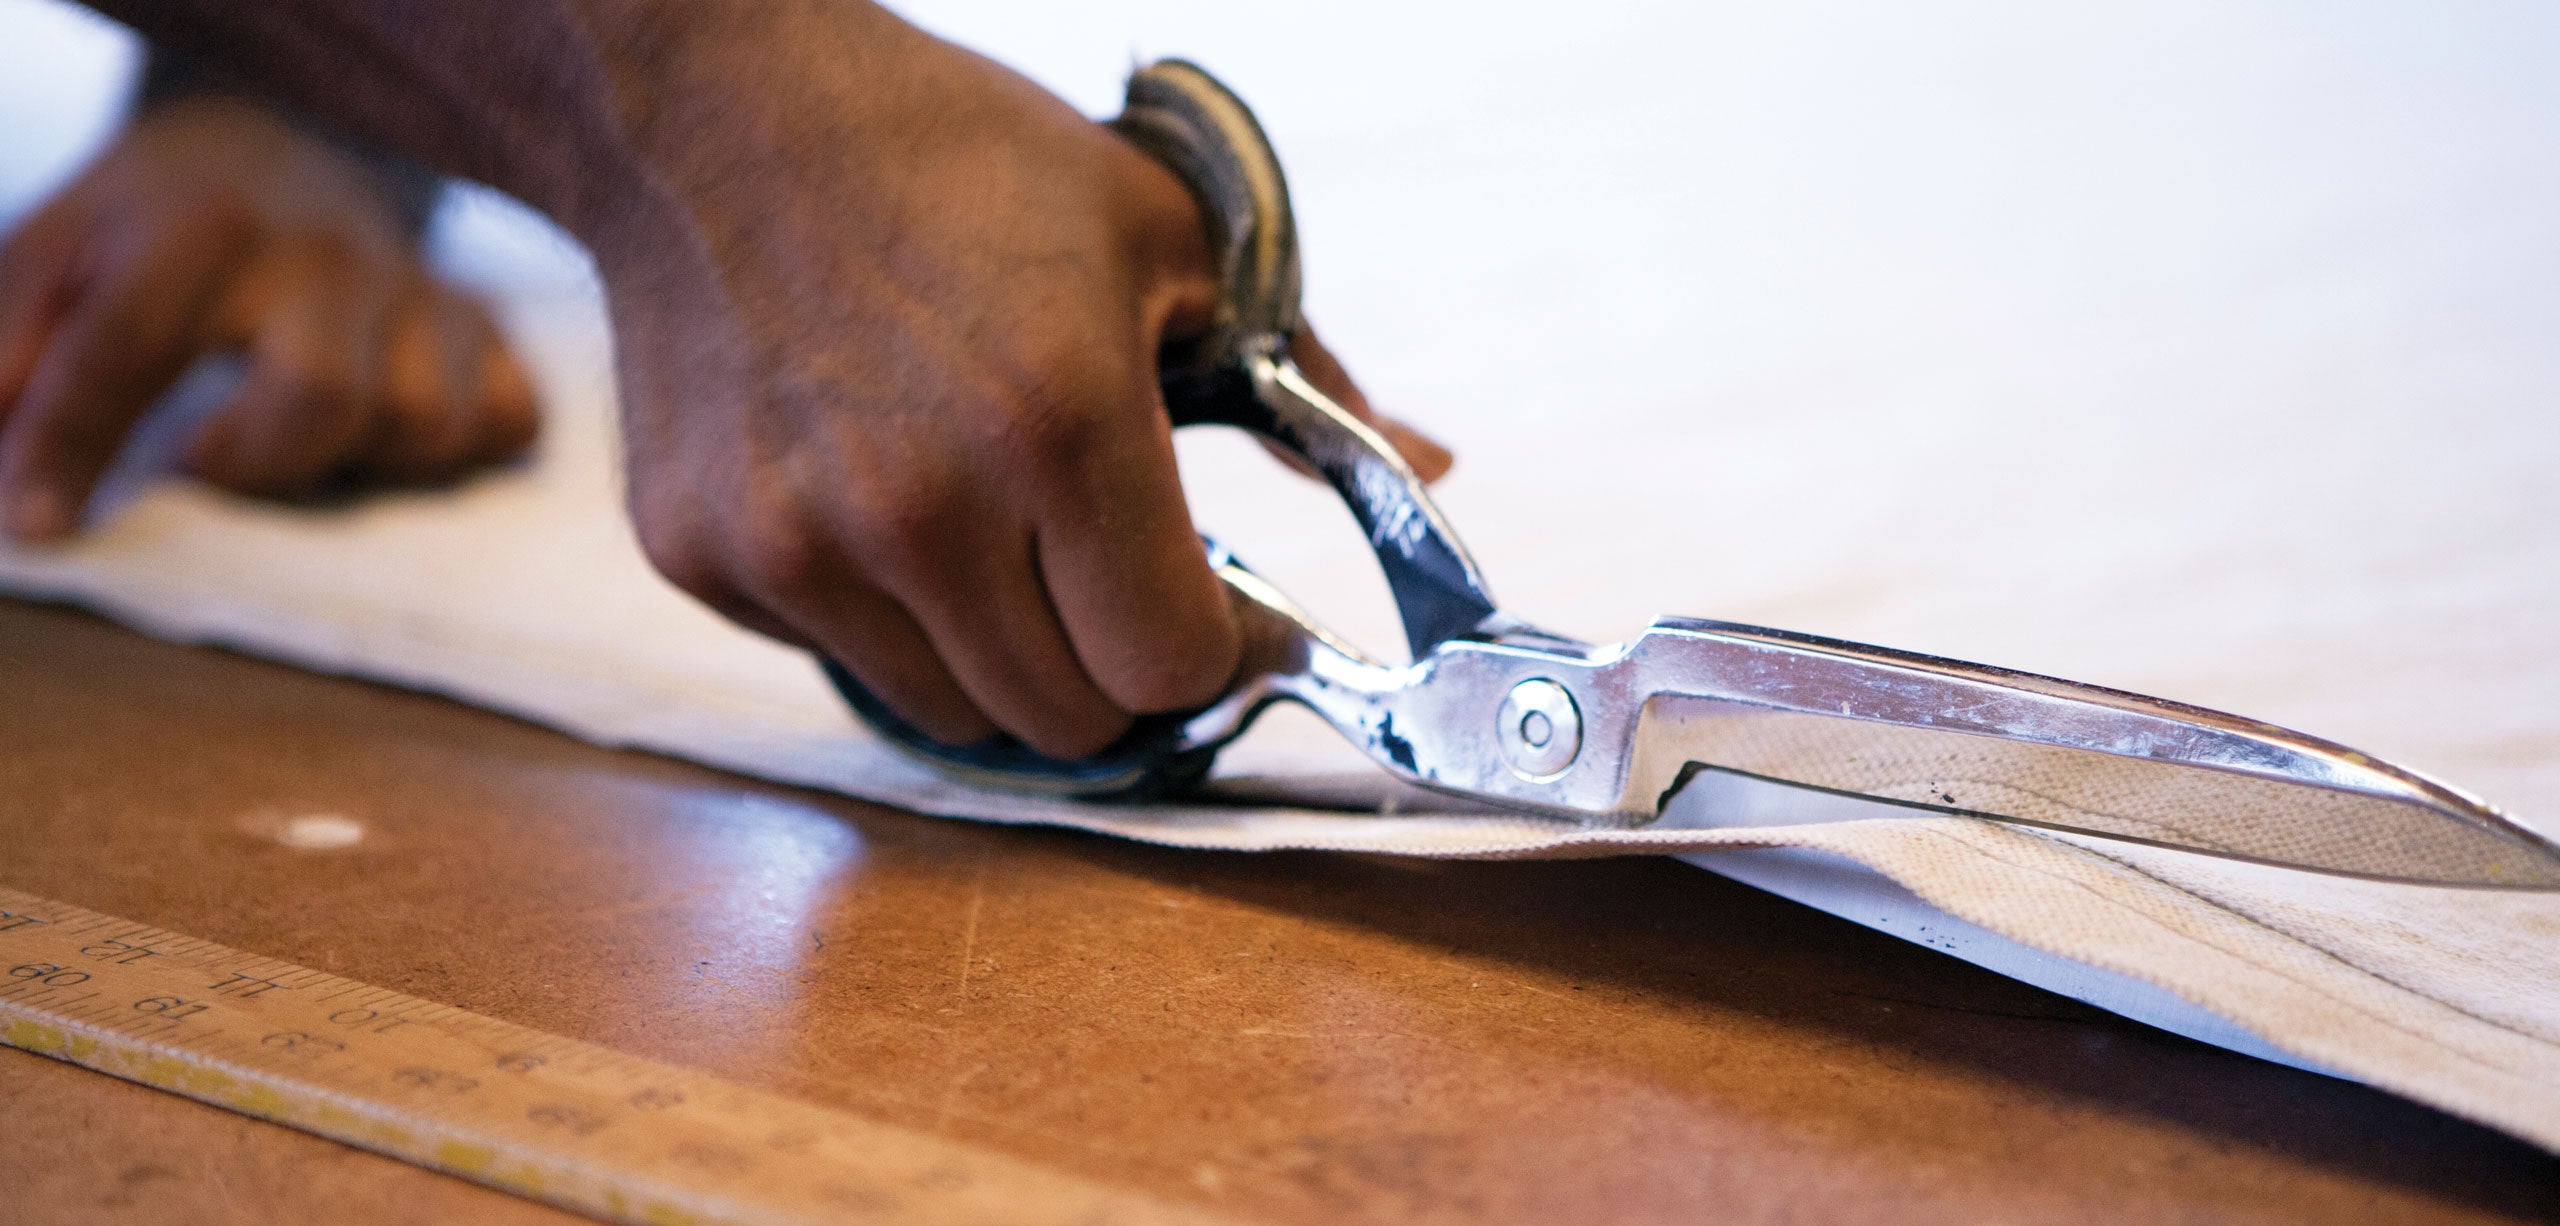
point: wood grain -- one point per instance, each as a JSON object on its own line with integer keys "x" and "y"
{"x": 1286, "y": 1038}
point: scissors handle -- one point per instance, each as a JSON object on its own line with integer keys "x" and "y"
{"x": 1238, "y": 374}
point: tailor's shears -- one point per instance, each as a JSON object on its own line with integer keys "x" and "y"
{"x": 1496, "y": 710}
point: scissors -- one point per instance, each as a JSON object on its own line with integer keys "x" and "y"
{"x": 1496, "y": 710}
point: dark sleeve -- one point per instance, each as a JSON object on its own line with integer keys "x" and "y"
{"x": 410, "y": 189}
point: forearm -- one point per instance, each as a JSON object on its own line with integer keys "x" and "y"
{"x": 407, "y": 189}
{"x": 585, "y": 108}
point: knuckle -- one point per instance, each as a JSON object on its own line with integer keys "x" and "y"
{"x": 669, "y": 542}
{"x": 782, "y": 555}
{"x": 1055, "y": 432}
{"x": 908, "y": 522}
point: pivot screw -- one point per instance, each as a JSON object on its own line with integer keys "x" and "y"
{"x": 1539, "y": 728}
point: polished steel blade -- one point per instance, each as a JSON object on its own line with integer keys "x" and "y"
{"x": 1609, "y": 735}
{"x": 1949, "y": 737}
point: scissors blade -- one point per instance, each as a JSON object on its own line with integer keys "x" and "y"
{"x": 1948, "y": 737}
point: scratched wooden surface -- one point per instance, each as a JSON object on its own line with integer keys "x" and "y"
{"x": 1290, "y": 1038}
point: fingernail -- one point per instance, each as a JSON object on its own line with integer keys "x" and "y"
{"x": 37, "y": 514}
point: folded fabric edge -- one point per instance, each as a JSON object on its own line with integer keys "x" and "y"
{"x": 2398, "y": 1040}
{"x": 1838, "y": 885}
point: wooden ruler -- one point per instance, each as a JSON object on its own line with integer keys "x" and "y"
{"x": 579, "y": 1126}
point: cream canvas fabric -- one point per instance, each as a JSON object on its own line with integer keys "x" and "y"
{"x": 1929, "y": 335}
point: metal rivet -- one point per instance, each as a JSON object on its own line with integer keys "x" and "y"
{"x": 1539, "y": 728}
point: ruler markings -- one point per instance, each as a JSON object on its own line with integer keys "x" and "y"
{"x": 80, "y": 1006}
{"x": 582, "y": 1126}
{"x": 84, "y": 1004}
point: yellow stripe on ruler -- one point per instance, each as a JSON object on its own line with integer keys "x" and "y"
{"x": 577, "y": 1125}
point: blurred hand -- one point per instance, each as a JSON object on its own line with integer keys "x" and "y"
{"x": 210, "y": 225}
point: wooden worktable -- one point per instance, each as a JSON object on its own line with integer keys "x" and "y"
{"x": 1289, "y": 1038}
